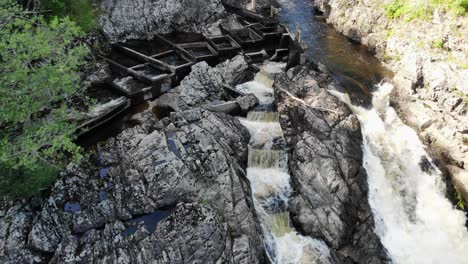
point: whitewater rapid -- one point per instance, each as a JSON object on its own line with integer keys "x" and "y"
{"x": 415, "y": 221}
{"x": 270, "y": 181}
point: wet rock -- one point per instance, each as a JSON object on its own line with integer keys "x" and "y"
{"x": 247, "y": 102}
{"x": 326, "y": 166}
{"x": 141, "y": 19}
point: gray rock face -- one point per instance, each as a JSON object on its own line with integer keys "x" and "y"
{"x": 247, "y": 102}
{"x": 141, "y": 19}
{"x": 326, "y": 166}
{"x": 204, "y": 85}
{"x": 430, "y": 82}
{"x": 167, "y": 191}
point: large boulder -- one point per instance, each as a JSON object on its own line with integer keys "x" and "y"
{"x": 326, "y": 166}
{"x": 205, "y": 85}
{"x": 141, "y": 19}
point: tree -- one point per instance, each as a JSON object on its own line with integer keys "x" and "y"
{"x": 39, "y": 62}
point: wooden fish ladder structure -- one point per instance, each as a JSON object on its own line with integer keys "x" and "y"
{"x": 143, "y": 70}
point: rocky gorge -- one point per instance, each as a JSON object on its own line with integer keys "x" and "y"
{"x": 326, "y": 162}
{"x": 177, "y": 186}
{"x": 175, "y": 191}
{"x": 429, "y": 60}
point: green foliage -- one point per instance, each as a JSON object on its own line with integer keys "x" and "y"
{"x": 25, "y": 182}
{"x": 394, "y": 9}
{"x": 460, "y": 200}
{"x": 411, "y": 9}
{"x": 389, "y": 33}
{"x": 460, "y": 7}
{"x": 38, "y": 76}
{"x": 81, "y": 11}
{"x": 439, "y": 44}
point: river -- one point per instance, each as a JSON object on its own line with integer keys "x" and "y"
{"x": 414, "y": 220}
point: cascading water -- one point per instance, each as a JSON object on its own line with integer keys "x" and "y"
{"x": 268, "y": 174}
{"x": 414, "y": 220}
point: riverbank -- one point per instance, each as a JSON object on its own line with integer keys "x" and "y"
{"x": 429, "y": 58}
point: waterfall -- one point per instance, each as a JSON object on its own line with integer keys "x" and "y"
{"x": 270, "y": 181}
{"x": 414, "y": 220}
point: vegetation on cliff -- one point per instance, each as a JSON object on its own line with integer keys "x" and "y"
{"x": 82, "y": 12}
{"x": 39, "y": 63}
{"x": 411, "y": 9}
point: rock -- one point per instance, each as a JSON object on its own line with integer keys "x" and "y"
{"x": 101, "y": 73}
{"x": 230, "y": 107}
{"x": 205, "y": 85}
{"x": 247, "y": 102}
{"x": 460, "y": 180}
{"x": 141, "y": 19}
{"x": 326, "y": 166}
{"x": 165, "y": 191}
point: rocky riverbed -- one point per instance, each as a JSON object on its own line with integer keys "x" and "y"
{"x": 429, "y": 61}
{"x": 325, "y": 160}
{"x": 171, "y": 190}
{"x": 175, "y": 189}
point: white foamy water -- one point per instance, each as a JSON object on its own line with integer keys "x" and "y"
{"x": 260, "y": 90}
{"x": 270, "y": 181}
{"x": 262, "y": 133}
{"x": 414, "y": 220}
{"x": 261, "y": 86}
{"x": 272, "y": 191}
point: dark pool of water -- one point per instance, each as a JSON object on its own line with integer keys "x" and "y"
{"x": 351, "y": 64}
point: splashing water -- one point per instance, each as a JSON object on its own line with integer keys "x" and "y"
{"x": 260, "y": 90}
{"x": 414, "y": 220}
{"x": 270, "y": 181}
{"x": 262, "y": 134}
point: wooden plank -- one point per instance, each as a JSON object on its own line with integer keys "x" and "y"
{"x": 104, "y": 118}
{"x": 133, "y": 53}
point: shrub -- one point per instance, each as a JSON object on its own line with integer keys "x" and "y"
{"x": 411, "y": 9}
{"x": 460, "y": 7}
{"x": 394, "y": 9}
{"x": 438, "y": 44}
{"x": 26, "y": 182}
{"x": 39, "y": 62}
{"x": 82, "y": 12}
